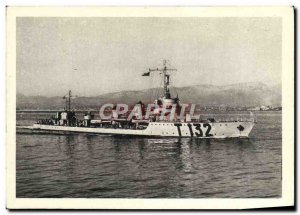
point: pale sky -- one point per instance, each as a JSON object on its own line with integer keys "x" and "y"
{"x": 92, "y": 56}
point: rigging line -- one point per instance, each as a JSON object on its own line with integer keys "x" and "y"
{"x": 154, "y": 89}
{"x": 158, "y": 89}
{"x": 146, "y": 90}
{"x": 151, "y": 90}
{"x": 172, "y": 85}
{"x": 149, "y": 93}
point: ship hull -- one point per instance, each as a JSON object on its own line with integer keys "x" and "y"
{"x": 166, "y": 129}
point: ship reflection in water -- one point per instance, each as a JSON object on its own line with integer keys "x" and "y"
{"x": 104, "y": 166}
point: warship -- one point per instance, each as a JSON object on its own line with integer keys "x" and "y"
{"x": 165, "y": 117}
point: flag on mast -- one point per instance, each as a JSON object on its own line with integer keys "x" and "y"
{"x": 146, "y": 74}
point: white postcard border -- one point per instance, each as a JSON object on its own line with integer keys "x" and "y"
{"x": 287, "y": 199}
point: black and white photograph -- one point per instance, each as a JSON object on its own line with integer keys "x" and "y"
{"x": 159, "y": 104}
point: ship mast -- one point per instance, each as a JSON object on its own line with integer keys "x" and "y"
{"x": 166, "y": 77}
{"x": 68, "y": 100}
{"x": 70, "y": 94}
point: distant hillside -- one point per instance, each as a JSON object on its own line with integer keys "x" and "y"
{"x": 244, "y": 94}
